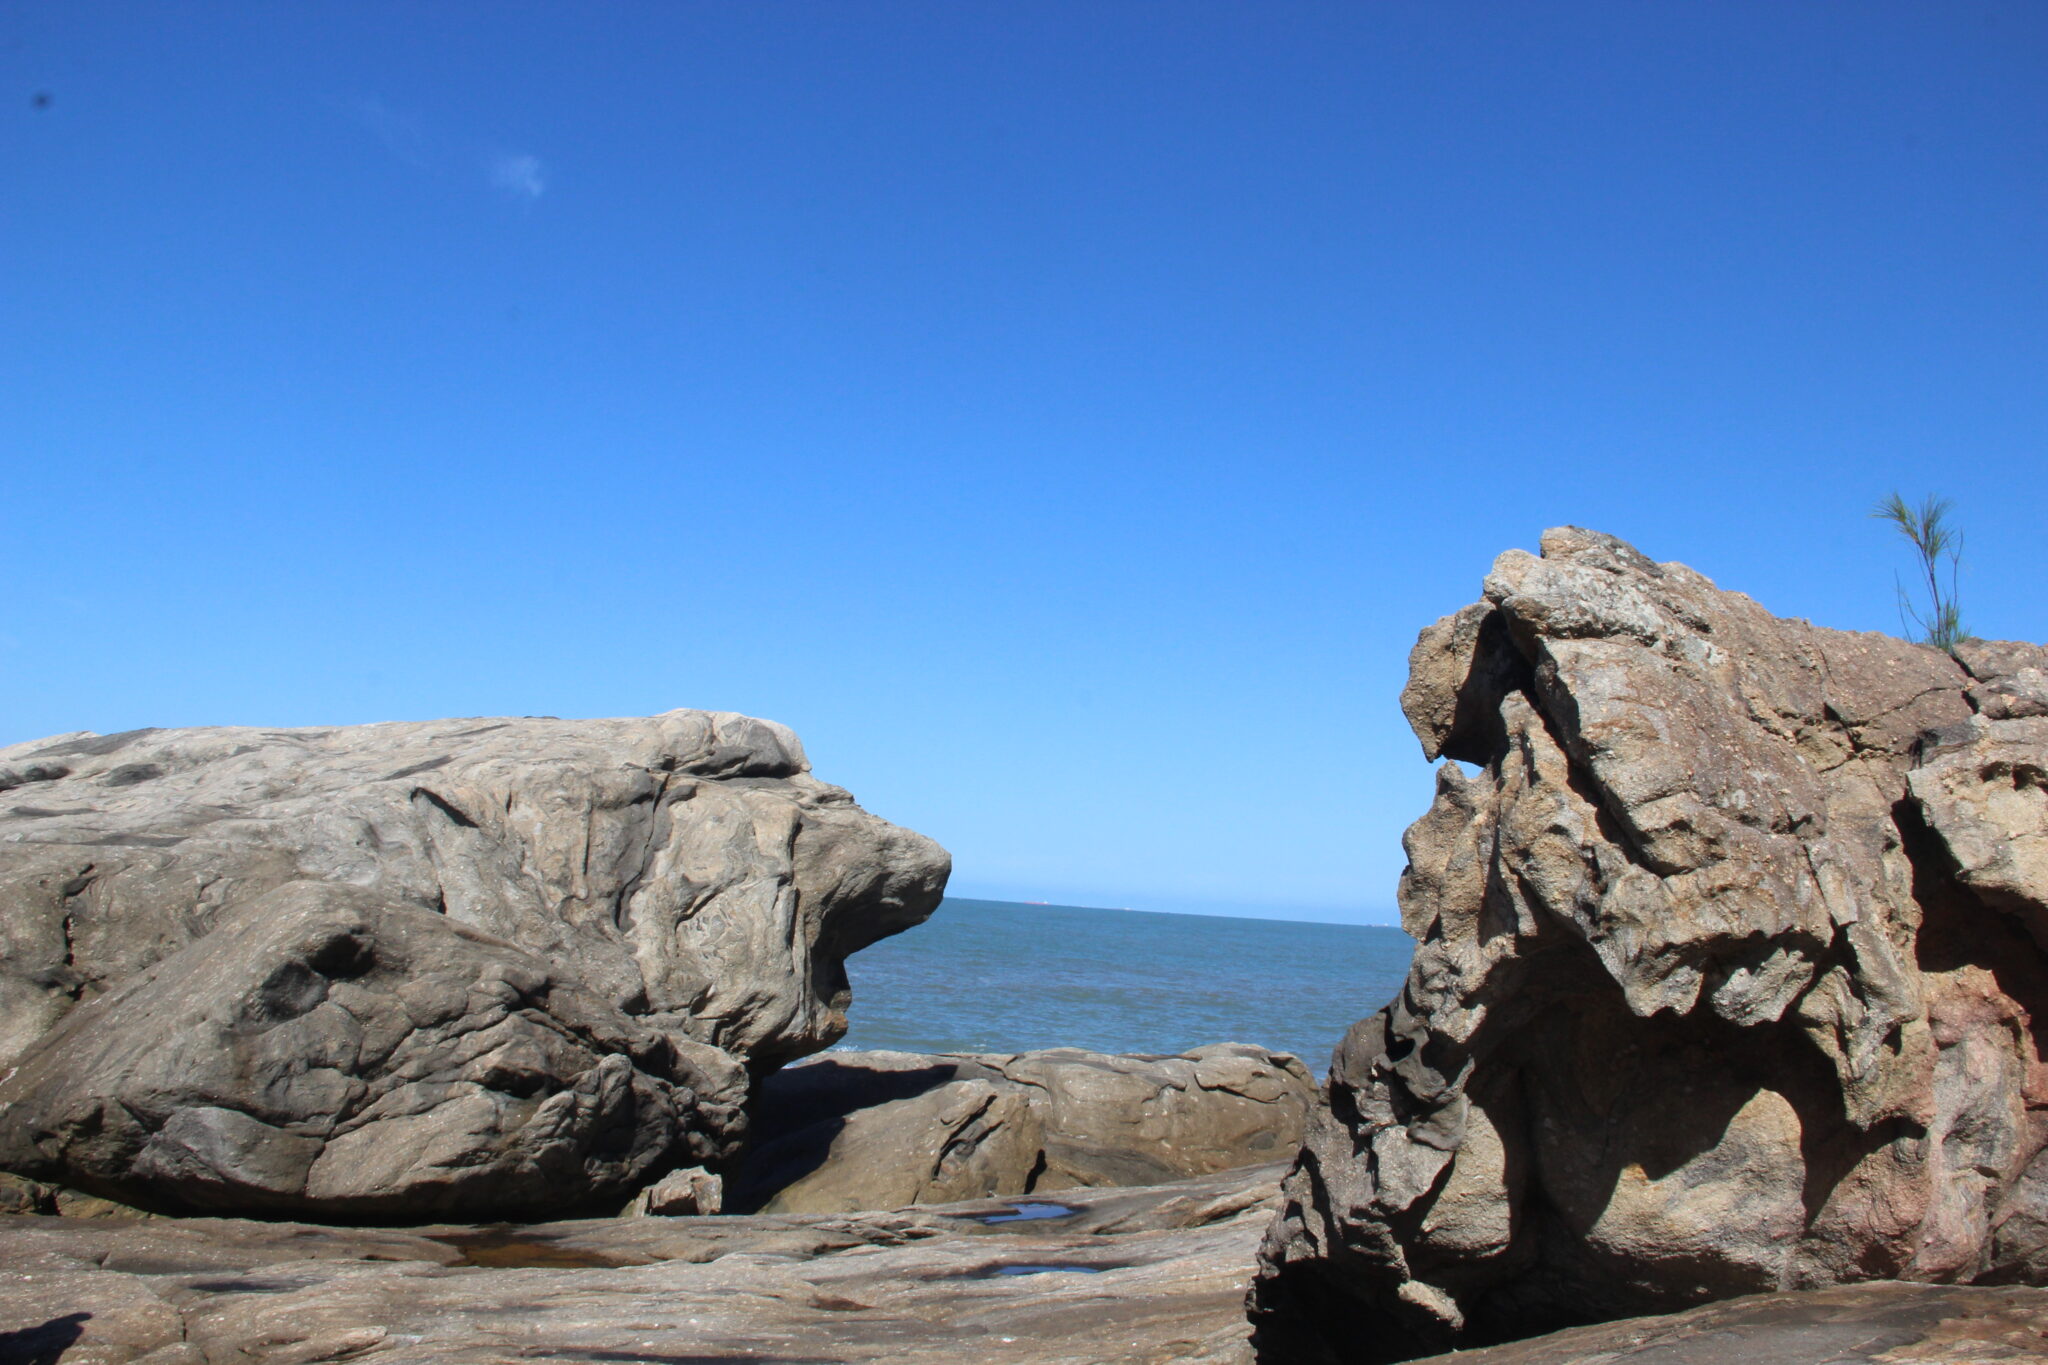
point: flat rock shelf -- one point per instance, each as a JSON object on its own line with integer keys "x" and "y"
{"x": 1135, "y": 1275}
{"x": 1103, "y": 1277}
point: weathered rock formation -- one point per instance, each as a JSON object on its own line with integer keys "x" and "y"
{"x": 1135, "y": 1276}
{"x": 1729, "y": 970}
{"x": 420, "y": 969}
{"x": 879, "y": 1130}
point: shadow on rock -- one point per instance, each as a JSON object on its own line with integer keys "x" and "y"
{"x": 44, "y": 1345}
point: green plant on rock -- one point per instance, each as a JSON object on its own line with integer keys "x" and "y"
{"x": 1937, "y": 543}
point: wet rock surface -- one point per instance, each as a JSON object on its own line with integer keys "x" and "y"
{"x": 875, "y": 1130}
{"x": 1728, "y": 972}
{"x": 415, "y": 970}
{"x": 1132, "y": 1275}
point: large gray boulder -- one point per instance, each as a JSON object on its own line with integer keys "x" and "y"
{"x": 1730, "y": 952}
{"x": 512, "y": 966}
{"x": 325, "y": 1052}
{"x": 876, "y": 1130}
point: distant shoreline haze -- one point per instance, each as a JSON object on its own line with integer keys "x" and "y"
{"x": 1386, "y": 916}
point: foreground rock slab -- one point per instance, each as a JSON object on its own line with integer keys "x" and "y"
{"x": 1135, "y": 1275}
{"x": 1730, "y": 974}
{"x": 420, "y": 970}
{"x": 1886, "y": 1323}
{"x": 877, "y": 1130}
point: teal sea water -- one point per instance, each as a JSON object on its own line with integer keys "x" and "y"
{"x": 998, "y": 976}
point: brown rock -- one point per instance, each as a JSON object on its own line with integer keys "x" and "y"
{"x": 1723, "y": 980}
{"x": 872, "y": 1130}
{"x": 1884, "y": 1323}
{"x": 680, "y": 1194}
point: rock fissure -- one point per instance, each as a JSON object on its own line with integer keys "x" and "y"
{"x": 447, "y": 807}
{"x": 73, "y": 981}
{"x": 643, "y": 866}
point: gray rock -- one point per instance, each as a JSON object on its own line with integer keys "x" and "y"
{"x": 2010, "y": 679}
{"x": 877, "y": 1130}
{"x": 420, "y": 969}
{"x": 1983, "y": 789}
{"x": 1724, "y": 979}
{"x": 322, "y": 1051}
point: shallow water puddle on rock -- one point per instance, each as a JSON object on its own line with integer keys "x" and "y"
{"x": 991, "y": 1272}
{"x": 244, "y": 1286}
{"x": 1027, "y": 1212}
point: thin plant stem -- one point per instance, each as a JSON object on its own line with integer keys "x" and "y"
{"x": 1935, "y": 541}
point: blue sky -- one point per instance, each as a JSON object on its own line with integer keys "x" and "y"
{"x": 1063, "y": 415}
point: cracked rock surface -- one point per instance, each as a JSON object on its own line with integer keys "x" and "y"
{"x": 422, "y": 969}
{"x": 1137, "y": 1276}
{"x": 875, "y": 1130}
{"x": 1730, "y": 957}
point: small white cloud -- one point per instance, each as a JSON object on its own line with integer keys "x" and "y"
{"x": 425, "y": 147}
{"x": 519, "y": 175}
{"x": 400, "y": 132}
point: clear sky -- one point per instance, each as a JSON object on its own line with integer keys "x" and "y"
{"x": 1063, "y": 415}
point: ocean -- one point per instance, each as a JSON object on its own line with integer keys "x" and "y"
{"x": 999, "y": 976}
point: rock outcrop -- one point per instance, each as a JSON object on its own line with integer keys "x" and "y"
{"x": 879, "y": 1130}
{"x": 1135, "y": 1276}
{"x": 418, "y": 970}
{"x": 1730, "y": 961}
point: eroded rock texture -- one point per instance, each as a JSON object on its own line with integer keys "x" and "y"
{"x": 420, "y": 969}
{"x": 877, "y": 1130}
{"x": 1130, "y": 1277}
{"x": 1729, "y": 960}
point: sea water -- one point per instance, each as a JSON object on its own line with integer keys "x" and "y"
{"x": 999, "y": 976}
